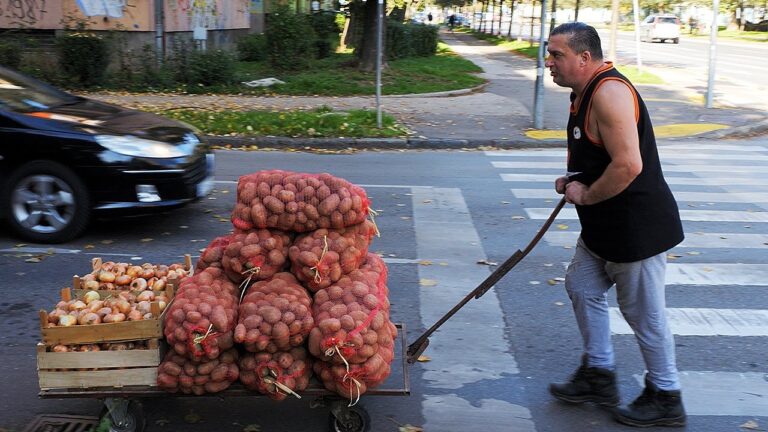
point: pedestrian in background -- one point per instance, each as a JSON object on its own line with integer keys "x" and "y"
{"x": 629, "y": 219}
{"x": 429, "y": 17}
{"x": 451, "y": 21}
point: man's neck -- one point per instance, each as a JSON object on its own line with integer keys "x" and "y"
{"x": 588, "y": 73}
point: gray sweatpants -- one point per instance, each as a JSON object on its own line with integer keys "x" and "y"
{"x": 640, "y": 294}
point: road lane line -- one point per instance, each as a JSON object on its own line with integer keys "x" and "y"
{"x": 680, "y": 196}
{"x": 757, "y": 170}
{"x": 664, "y": 154}
{"x": 459, "y": 356}
{"x": 705, "y": 322}
{"x": 686, "y": 215}
{"x": 698, "y": 240}
{"x": 671, "y": 180}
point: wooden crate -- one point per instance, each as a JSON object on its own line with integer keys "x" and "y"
{"x": 70, "y": 370}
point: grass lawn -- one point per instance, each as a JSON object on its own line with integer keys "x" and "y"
{"x": 532, "y": 51}
{"x": 334, "y": 76}
{"x": 321, "y": 122}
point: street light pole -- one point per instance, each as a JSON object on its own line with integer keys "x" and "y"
{"x": 712, "y": 51}
{"x": 636, "y": 7}
{"x": 379, "y": 7}
{"x": 538, "y": 100}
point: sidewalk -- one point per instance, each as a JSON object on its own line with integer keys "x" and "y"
{"x": 498, "y": 114}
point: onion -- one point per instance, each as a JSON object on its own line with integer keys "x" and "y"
{"x": 139, "y": 284}
{"x": 91, "y": 285}
{"x": 133, "y": 271}
{"x": 123, "y": 306}
{"x": 67, "y": 320}
{"x": 123, "y": 280}
{"x": 104, "y": 312}
{"x": 89, "y": 318}
{"x": 134, "y": 315}
{"x": 53, "y": 317}
{"x": 91, "y": 296}
{"x": 59, "y": 348}
{"x": 145, "y": 296}
{"x": 159, "y": 285}
{"x": 106, "y": 276}
{"x": 144, "y": 306}
{"x": 62, "y": 305}
{"x": 77, "y": 305}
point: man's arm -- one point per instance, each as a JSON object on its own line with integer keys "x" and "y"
{"x": 613, "y": 109}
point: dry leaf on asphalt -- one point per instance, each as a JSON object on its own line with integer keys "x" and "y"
{"x": 425, "y": 262}
{"x": 107, "y": 241}
{"x": 562, "y": 226}
{"x": 673, "y": 256}
{"x": 693, "y": 253}
{"x": 410, "y": 428}
{"x": 488, "y": 263}
{"x": 162, "y": 421}
{"x": 427, "y": 282}
{"x": 534, "y": 282}
{"x": 552, "y": 282}
{"x": 750, "y": 425}
{"x": 518, "y": 217}
{"x": 146, "y": 240}
{"x": 89, "y": 246}
{"x": 423, "y": 358}
{"x": 19, "y": 245}
{"x": 559, "y": 303}
{"x": 252, "y": 428}
{"x": 193, "y": 417}
{"x": 506, "y": 202}
{"x": 33, "y": 260}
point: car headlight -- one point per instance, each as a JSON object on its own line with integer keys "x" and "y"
{"x": 134, "y": 146}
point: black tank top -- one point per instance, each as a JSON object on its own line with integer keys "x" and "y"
{"x": 642, "y": 220}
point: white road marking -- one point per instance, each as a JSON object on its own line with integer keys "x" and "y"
{"x": 664, "y": 154}
{"x": 705, "y": 322}
{"x": 747, "y": 169}
{"x": 686, "y": 215}
{"x": 451, "y": 413}
{"x": 680, "y": 196}
{"x": 698, "y": 240}
{"x": 438, "y": 212}
{"x": 671, "y": 180}
{"x": 695, "y": 147}
{"x": 707, "y": 393}
{"x": 459, "y": 355}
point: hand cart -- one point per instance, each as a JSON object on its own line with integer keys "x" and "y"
{"x": 124, "y": 408}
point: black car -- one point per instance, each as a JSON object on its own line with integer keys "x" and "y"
{"x": 65, "y": 158}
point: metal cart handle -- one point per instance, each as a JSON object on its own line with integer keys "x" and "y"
{"x": 419, "y": 345}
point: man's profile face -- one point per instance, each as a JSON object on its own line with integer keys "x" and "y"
{"x": 562, "y": 62}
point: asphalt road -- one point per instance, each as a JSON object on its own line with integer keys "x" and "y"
{"x": 444, "y": 216}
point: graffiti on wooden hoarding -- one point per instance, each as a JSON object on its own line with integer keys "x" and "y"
{"x": 110, "y": 8}
{"x": 22, "y": 12}
{"x": 186, "y": 15}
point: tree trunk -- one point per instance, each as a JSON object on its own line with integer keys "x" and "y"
{"x": 366, "y": 53}
{"x": 552, "y": 20}
{"x": 511, "y": 18}
{"x": 397, "y": 14}
{"x": 501, "y": 15}
{"x": 576, "y": 17}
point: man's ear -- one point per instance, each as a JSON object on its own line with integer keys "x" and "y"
{"x": 585, "y": 58}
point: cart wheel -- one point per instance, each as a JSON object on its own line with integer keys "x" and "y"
{"x": 349, "y": 419}
{"x": 124, "y": 415}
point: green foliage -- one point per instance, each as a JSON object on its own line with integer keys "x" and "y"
{"x": 320, "y": 122}
{"x": 410, "y": 40}
{"x": 327, "y": 30}
{"x": 252, "y": 47}
{"x": 83, "y": 57}
{"x": 290, "y": 39}
{"x": 10, "y": 54}
{"x": 208, "y": 68}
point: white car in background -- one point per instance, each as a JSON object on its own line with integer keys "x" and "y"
{"x": 660, "y": 27}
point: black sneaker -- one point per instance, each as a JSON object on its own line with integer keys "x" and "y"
{"x": 588, "y": 384}
{"x": 653, "y": 407}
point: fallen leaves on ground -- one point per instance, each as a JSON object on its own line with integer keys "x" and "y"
{"x": 423, "y": 358}
{"x": 562, "y": 226}
{"x": 252, "y": 428}
{"x": 750, "y": 425}
{"x": 427, "y": 282}
{"x": 146, "y": 240}
{"x": 410, "y": 428}
{"x": 193, "y": 417}
{"x": 488, "y": 263}
{"x": 425, "y": 262}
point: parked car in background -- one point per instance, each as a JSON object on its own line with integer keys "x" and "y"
{"x": 661, "y": 28}
{"x": 65, "y": 158}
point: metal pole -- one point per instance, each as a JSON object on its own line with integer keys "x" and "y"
{"x": 712, "y": 51}
{"x": 614, "y": 30}
{"x": 538, "y": 100}
{"x": 636, "y": 7}
{"x": 159, "y": 44}
{"x": 379, "y": 7}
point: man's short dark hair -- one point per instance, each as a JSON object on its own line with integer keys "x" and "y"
{"x": 582, "y": 38}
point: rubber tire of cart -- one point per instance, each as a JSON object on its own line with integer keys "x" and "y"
{"x": 136, "y": 420}
{"x": 360, "y": 421}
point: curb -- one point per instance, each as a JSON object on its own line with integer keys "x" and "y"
{"x": 447, "y": 93}
{"x": 746, "y": 131}
{"x": 261, "y": 143}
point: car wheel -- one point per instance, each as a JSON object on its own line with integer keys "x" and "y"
{"x": 46, "y": 202}
{"x": 676, "y": 40}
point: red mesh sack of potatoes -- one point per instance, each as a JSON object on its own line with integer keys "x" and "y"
{"x": 297, "y": 202}
{"x": 352, "y": 318}
{"x": 178, "y": 373}
{"x": 276, "y": 375}
{"x": 213, "y": 253}
{"x": 352, "y": 380}
{"x": 200, "y": 321}
{"x": 321, "y": 257}
{"x": 255, "y": 255}
{"x": 274, "y": 315}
